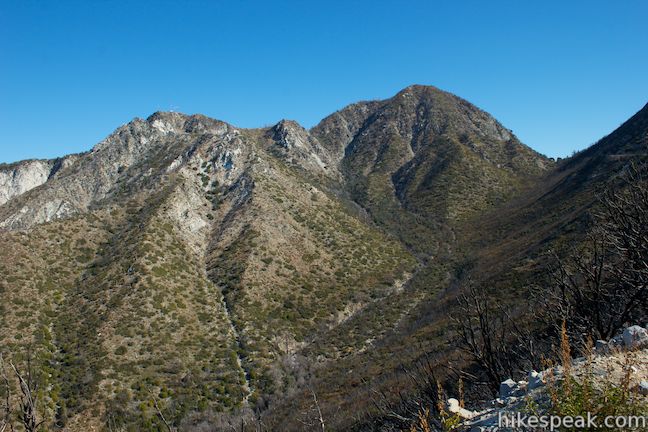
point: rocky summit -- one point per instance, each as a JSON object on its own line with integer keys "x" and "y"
{"x": 187, "y": 274}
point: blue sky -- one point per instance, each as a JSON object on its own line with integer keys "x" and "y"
{"x": 561, "y": 74}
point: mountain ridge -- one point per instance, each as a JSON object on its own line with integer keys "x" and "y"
{"x": 227, "y": 270}
{"x": 140, "y": 135}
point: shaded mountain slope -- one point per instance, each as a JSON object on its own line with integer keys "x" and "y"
{"x": 557, "y": 210}
{"x": 504, "y": 249}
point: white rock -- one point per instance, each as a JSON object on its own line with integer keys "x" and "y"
{"x": 643, "y": 387}
{"x": 511, "y": 400}
{"x": 498, "y": 402}
{"x": 535, "y": 380}
{"x": 162, "y": 126}
{"x": 453, "y": 405}
{"x": 455, "y": 408}
{"x": 23, "y": 177}
{"x": 635, "y": 337}
{"x": 507, "y": 388}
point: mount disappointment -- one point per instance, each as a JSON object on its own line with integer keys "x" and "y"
{"x": 227, "y": 271}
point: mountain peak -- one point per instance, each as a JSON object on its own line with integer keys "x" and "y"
{"x": 421, "y": 140}
{"x": 421, "y": 89}
{"x": 297, "y": 146}
{"x": 167, "y": 122}
{"x": 165, "y": 115}
{"x": 287, "y": 124}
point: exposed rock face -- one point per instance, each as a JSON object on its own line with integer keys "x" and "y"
{"x": 16, "y": 179}
{"x": 133, "y": 158}
{"x": 295, "y": 145}
{"x": 339, "y": 129}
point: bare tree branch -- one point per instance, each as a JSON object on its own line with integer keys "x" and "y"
{"x": 7, "y": 411}
{"x": 319, "y": 411}
{"x": 603, "y": 285}
{"x": 160, "y": 415}
{"x": 28, "y": 414}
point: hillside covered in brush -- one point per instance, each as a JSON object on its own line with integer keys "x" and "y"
{"x": 190, "y": 273}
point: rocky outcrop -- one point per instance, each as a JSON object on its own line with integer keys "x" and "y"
{"x": 635, "y": 337}
{"x": 297, "y": 146}
{"x": 133, "y": 158}
{"x": 21, "y": 177}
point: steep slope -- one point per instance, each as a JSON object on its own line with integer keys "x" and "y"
{"x": 194, "y": 257}
{"x": 427, "y": 158}
{"x": 215, "y": 270}
{"x": 504, "y": 249}
{"x": 135, "y": 157}
{"x": 557, "y": 210}
{"x": 127, "y": 308}
{"x": 21, "y": 177}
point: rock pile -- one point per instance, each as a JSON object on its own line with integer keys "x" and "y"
{"x": 515, "y": 396}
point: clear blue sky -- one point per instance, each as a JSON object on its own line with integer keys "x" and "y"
{"x": 561, "y": 74}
